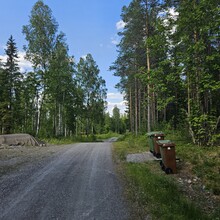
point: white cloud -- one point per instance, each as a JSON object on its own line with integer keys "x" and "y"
{"x": 24, "y": 64}
{"x": 2, "y": 58}
{"x": 113, "y": 95}
{"x": 120, "y": 25}
{"x": 84, "y": 57}
{"x": 115, "y": 40}
{"x": 116, "y": 99}
{"x": 121, "y": 105}
{"x": 173, "y": 14}
{"x": 167, "y": 15}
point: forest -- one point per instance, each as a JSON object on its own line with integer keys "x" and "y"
{"x": 59, "y": 97}
{"x": 168, "y": 64}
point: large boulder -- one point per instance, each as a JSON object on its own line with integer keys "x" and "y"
{"x": 19, "y": 139}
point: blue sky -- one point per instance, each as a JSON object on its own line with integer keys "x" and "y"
{"x": 90, "y": 26}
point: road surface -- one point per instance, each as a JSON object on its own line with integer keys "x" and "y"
{"x": 77, "y": 183}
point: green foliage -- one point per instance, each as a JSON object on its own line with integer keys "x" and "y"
{"x": 151, "y": 191}
{"x": 117, "y": 122}
{"x": 205, "y": 161}
{"x": 40, "y": 34}
{"x": 70, "y": 140}
{"x": 11, "y": 90}
{"x": 107, "y": 136}
{"x": 160, "y": 194}
{"x": 93, "y": 94}
{"x": 204, "y": 127}
{"x": 56, "y": 99}
{"x": 169, "y": 52}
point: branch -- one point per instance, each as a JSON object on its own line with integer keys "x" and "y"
{"x": 190, "y": 129}
{"x": 218, "y": 120}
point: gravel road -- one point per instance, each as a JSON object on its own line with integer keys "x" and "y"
{"x": 78, "y": 182}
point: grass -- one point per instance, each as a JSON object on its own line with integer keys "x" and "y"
{"x": 205, "y": 161}
{"x": 149, "y": 190}
{"x": 80, "y": 138}
{"x": 107, "y": 136}
{"x": 70, "y": 140}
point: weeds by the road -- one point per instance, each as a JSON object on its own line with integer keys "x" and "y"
{"x": 80, "y": 138}
{"x": 70, "y": 140}
{"x": 205, "y": 161}
{"x": 152, "y": 191}
{"x": 107, "y": 136}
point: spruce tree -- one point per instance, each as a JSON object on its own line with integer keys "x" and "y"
{"x": 11, "y": 89}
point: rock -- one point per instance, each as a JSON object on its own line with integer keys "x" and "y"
{"x": 189, "y": 181}
{"x": 195, "y": 180}
{"x": 180, "y": 180}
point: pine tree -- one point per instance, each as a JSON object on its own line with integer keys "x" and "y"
{"x": 11, "y": 89}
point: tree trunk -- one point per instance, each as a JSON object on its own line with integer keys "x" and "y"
{"x": 136, "y": 107}
{"x": 131, "y": 111}
{"x": 139, "y": 106}
{"x": 148, "y": 75}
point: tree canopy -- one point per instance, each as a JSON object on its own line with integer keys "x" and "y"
{"x": 58, "y": 94}
{"x": 168, "y": 64}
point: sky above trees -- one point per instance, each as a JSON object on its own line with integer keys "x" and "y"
{"x": 90, "y": 26}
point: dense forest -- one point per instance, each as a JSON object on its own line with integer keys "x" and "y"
{"x": 59, "y": 97}
{"x": 168, "y": 64}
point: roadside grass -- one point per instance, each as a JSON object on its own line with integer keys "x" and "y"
{"x": 107, "y": 136}
{"x": 149, "y": 190}
{"x": 80, "y": 138}
{"x": 70, "y": 140}
{"x": 205, "y": 161}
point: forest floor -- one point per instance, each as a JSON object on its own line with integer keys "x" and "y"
{"x": 195, "y": 189}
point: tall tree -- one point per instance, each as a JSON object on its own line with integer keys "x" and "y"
{"x": 131, "y": 59}
{"x": 40, "y": 34}
{"x": 2, "y": 97}
{"x": 168, "y": 62}
{"x": 93, "y": 92}
{"x": 61, "y": 87}
{"x": 135, "y": 62}
{"x": 198, "y": 33}
{"x": 11, "y": 84}
{"x": 116, "y": 119}
{"x": 30, "y": 102}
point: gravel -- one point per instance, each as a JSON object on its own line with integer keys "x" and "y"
{"x": 75, "y": 182}
{"x": 140, "y": 157}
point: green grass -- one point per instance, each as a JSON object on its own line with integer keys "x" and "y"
{"x": 149, "y": 190}
{"x": 80, "y": 138}
{"x": 70, "y": 140}
{"x": 107, "y": 136}
{"x": 205, "y": 161}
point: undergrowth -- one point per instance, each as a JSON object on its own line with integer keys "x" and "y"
{"x": 151, "y": 191}
{"x": 80, "y": 138}
{"x": 205, "y": 161}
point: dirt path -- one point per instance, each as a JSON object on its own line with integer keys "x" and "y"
{"x": 78, "y": 182}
